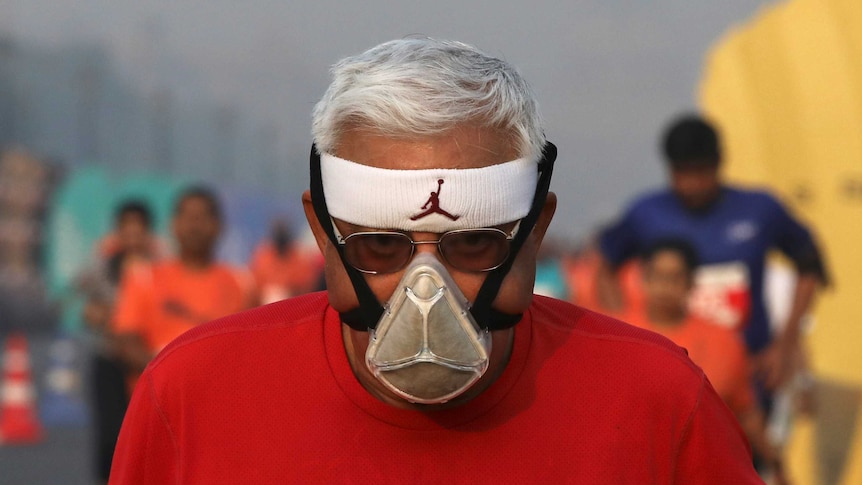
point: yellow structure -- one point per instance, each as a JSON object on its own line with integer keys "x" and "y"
{"x": 786, "y": 91}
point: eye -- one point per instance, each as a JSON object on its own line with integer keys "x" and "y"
{"x": 383, "y": 244}
{"x": 478, "y": 250}
{"x": 471, "y": 242}
{"x": 378, "y": 252}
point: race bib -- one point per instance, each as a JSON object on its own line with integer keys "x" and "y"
{"x": 722, "y": 294}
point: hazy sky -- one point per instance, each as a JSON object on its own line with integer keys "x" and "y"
{"x": 609, "y": 73}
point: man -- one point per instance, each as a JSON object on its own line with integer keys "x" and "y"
{"x": 132, "y": 245}
{"x": 156, "y": 304}
{"x": 732, "y": 230}
{"x": 463, "y": 376}
{"x": 668, "y": 277}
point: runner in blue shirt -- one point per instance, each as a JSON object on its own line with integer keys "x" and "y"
{"x": 731, "y": 228}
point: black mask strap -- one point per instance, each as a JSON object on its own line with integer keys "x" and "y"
{"x": 369, "y": 311}
{"x": 481, "y": 309}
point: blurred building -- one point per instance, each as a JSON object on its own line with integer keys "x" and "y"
{"x": 74, "y": 103}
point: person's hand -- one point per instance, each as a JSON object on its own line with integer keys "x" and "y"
{"x": 775, "y": 363}
{"x": 778, "y": 477}
{"x": 96, "y": 315}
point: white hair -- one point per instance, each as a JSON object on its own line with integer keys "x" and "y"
{"x": 421, "y": 87}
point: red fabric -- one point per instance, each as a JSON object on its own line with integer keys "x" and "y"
{"x": 267, "y": 396}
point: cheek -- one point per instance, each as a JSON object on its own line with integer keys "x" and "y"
{"x": 516, "y": 292}
{"x": 341, "y": 294}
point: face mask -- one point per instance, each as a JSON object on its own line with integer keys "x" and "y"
{"x": 427, "y": 348}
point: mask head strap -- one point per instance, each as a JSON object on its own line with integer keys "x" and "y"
{"x": 481, "y": 309}
{"x": 369, "y": 311}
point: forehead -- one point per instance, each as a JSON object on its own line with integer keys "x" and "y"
{"x": 667, "y": 260}
{"x": 695, "y": 170}
{"x": 195, "y": 204}
{"x": 467, "y": 146}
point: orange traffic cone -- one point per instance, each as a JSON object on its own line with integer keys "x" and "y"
{"x": 19, "y": 421}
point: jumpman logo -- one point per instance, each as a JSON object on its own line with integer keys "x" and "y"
{"x": 434, "y": 203}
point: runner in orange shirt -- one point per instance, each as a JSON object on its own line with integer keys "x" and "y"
{"x": 668, "y": 276}
{"x": 282, "y": 268}
{"x": 156, "y": 304}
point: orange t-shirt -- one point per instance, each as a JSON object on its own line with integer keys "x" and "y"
{"x": 582, "y": 274}
{"x": 719, "y": 351}
{"x": 278, "y": 276}
{"x": 162, "y": 301}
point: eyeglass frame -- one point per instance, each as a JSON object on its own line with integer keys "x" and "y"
{"x": 342, "y": 241}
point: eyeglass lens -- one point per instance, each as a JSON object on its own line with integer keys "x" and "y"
{"x": 472, "y": 250}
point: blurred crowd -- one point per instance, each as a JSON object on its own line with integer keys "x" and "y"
{"x": 691, "y": 262}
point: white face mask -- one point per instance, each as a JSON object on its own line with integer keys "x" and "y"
{"x": 427, "y": 348}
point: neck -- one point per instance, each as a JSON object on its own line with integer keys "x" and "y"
{"x": 196, "y": 261}
{"x": 666, "y": 317}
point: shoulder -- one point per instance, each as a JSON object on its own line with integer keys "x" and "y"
{"x": 613, "y": 363}
{"x": 166, "y": 268}
{"x": 143, "y": 273}
{"x": 652, "y": 199}
{"x": 649, "y": 206}
{"x": 752, "y": 197}
{"x": 283, "y": 318}
{"x": 239, "y": 275}
{"x": 606, "y": 337}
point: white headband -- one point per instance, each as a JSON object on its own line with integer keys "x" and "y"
{"x": 430, "y": 200}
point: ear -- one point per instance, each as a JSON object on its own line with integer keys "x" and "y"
{"x": 544, "y": 219}
{"x": 313, "y": 223}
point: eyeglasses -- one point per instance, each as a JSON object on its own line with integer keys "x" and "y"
{"x": 472, "y": 250}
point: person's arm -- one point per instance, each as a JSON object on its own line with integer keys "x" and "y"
{"x": 146, "y": 450}
{"x": 776, "y": 364}
{"x": 797, "y": 243}
{"x": 131, "y": 309}
{"x": 132, "y": 350}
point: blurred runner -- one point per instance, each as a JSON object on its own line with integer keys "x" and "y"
{"x": 668, "y": 277}
{"x": 157, "y": 304}
{"x": 283, "y": 268}
{"x": 132, "y": 245}
{"x": 732, "y": 230}
{"x": 582, "y": 273}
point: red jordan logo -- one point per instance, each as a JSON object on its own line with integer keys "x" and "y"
{"x": 434, "y": 202}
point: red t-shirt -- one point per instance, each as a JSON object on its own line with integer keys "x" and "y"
{"x": 268, "y": 396}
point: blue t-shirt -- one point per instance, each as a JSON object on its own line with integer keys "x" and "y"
{"x": 741, "y": 226}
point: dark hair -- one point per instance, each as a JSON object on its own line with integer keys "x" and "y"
{"x": 136, "y": 207}
{"x": 680, "y": 247}
{"x": 199, "y": 192}
{"x": 691, "y": 141}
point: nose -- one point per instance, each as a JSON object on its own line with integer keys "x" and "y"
{"x": 427, "y": 242}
